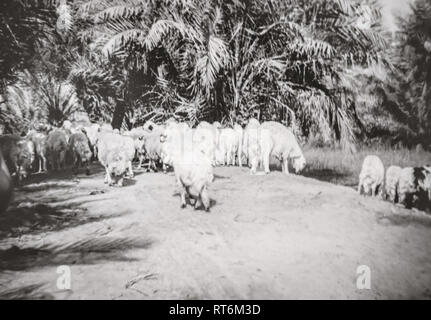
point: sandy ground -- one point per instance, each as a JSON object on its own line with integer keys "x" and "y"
{"x": 266, "y": 237}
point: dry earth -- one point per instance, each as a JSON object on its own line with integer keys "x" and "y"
{"x": 266, "y": 237}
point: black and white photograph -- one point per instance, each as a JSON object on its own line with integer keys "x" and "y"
{"x": 199, "y": 150}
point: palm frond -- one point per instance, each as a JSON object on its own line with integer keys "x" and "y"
{"x": 209, "y": 66}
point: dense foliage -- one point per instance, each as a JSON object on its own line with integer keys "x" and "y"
{"x": 313, "y": 65}
{"x": 410, "y": 87}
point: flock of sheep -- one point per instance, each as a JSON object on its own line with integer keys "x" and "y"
{"x": 409, "y": 186}
{"x": 191, "y": 152}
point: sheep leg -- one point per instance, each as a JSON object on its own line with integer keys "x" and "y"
{"x": 51, "y": 162}
{"x": 254, "y": 163}
{"x": 107, "y": 176}
{"x": 239, "y": 154}
{"x": 62, "y": 160}
{"x": 75, "y": 163}
{"x": 205, "y": 199}
{"x": 198, "y": 203}
{"x": 150, "y": 165}
{"x": 253, "y": 167}
{"x": 286, "y": 165}
{"x": 360, "y": 186}
{"x": 266, "y": 163}
{"x": 40, "y": 164}
{"x": 373, "y": 190}
{"x": 94, "y": 155}
{"x": 141, "y": 160}
{"x": 183, "y": 197}
{"x": 394, "y": 197}
{"x": 87, "y": 169}
{"x": 17, "y": 171}
{"x": 44, "y": 162}
{"x": 401, "y": 198}
{"x": 131, "y": 174}
{"x": 380, "y": 191}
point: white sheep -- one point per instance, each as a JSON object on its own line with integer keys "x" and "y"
{"x": 392, "y": 178}
{"x": 251, "y": 144}
{"x": 192, "y": 167}
{"x": 371, "y": 176}
{"x": 115, "y": 153}
{"x": 227, "y": 147}
{"x": 279, "y": 141}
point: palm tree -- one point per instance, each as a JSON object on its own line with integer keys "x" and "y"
{"x": 23, "y": 25}
{"x": 412, "y": 86}
{"x": 36, "y": 98}
{"x": 227, "y": 60}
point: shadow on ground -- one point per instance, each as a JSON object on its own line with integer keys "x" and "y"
{"x": 28, "y": 292}
{"x": 404, "y": 219}
{"x": 329, "y": 175}
{"x": 36, "y": 218}
{"x": 51, "y": 202}
{"x": 66, "y": 174}
{"x": 85, "y": 251}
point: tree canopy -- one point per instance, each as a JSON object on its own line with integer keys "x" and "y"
{"x": 308, "y": 64}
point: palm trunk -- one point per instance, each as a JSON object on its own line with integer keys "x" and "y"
{"x": 118, "y": 117}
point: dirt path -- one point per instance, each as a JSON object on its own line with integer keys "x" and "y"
{"x": 266, "y": 237}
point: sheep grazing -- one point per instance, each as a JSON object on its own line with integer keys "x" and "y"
{"x": 392, "y": 178}
{"x": 279, "y": 141}
{"x": 192, "y": 167}
{"x": 372, "y": 176}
